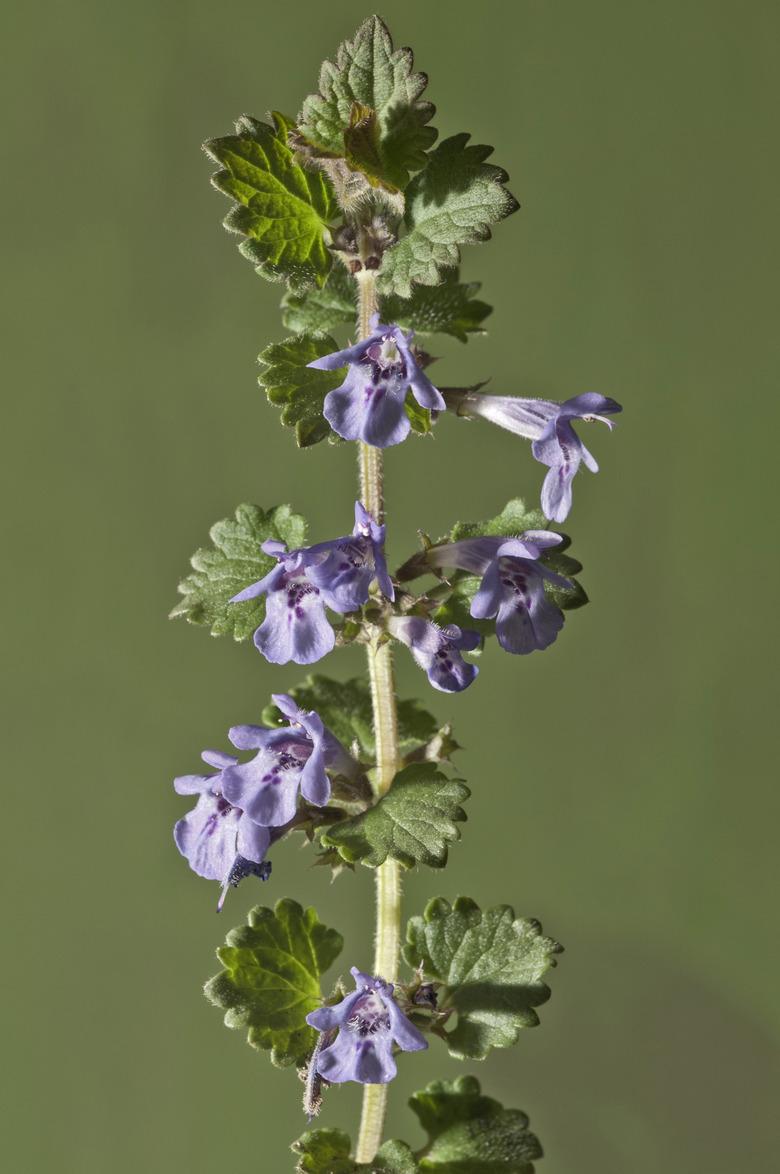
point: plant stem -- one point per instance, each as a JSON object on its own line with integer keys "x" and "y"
{"x": 380, "y": 671}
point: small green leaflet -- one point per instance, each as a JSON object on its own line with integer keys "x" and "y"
{"x": 449, "y": 308}
{"x": 451, "y": 203}
{"x": 514, "y": 518}
{"x": 233, "y": 562}
{"x": 369, "y": 110}
{"x": 345, "y": 708}
{"x": 327, "y": 1151}
{"x": 413, "y": 823}
{"x": 282, "y": 211}
{"x": 271, "y": 979}
{"x": 491, "y": 965}
{"x": 468, "y": 1133}
{"x": 471, "y": 1133}
{"x": 323, "y": 309}
{"x": 298, "y": 389}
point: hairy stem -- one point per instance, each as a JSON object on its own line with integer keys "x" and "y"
{"x": 380, "y": 671}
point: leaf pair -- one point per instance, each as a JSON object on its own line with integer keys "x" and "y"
{"x": 467, "y": 1132}
{"x": 489, "y": 966}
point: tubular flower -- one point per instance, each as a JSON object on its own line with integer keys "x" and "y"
{"x": 512, "y": 587}
{"x": 218, "y": 839}
{"x": 369, "y": 405}
{"x": 289, "y": 759}
{"x": 438, "y": 650}
{"x": 549, "y": 426}
{"x": 369, "y": 1022}
{"x": 335, "y": 574}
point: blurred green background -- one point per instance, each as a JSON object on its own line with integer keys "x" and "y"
{"x": 622, "y": 787}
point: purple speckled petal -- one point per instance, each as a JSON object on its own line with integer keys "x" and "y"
{"x": 522, "y": 629}
{"x": 300, "y": 633}
{"x": 206, "y": 836}
{"x": 265, "y": 788}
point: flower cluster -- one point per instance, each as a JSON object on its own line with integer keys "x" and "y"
{"x": 243, "y": 806}
{"x": 335, "y": 574}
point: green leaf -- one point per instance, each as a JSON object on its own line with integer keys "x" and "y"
{"x": 327, "y": 1151}
{"x": 271, "y": 979}
{"x": 491, "y": 965}
{"x": 324, "y": 1151}
{"x": 451, "y": 203}
{"x": 469, "y": 1133}
{"x": 413, "y": 823}
{"x": 419, "y": 417}
{"x": 514, "y": 518}
{"x": 449, "y": 308}
{"x": 345, "y": 708}
{"x": 300, "y": 390}
{"x": 282, "y": 211}
{"x": 323, "y": 309}
{"x": 235, "y": 561}
{"x": 369, "y": 109}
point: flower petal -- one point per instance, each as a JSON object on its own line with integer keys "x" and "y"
{"x": 300, "y": 632}
{"x": 253, "y": 840}
{"x": 266, "y": 791}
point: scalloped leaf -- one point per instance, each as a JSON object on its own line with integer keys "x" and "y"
{"x": 271, "y": 978}
{"x": 369, "y": 110}
{"x": 413, "y": 823}
{"x": 298, "y": 389}
{"x": 233, "y": 562}
{"x": 282, "y": 211}
{"x": 453, "y": 202}
{"x": 491, "y": 964}
{"x": 470, "y": 1133}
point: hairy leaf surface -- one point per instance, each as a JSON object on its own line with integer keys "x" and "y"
{"x": 491, "y": 964}
{"x": 271, "y": 978}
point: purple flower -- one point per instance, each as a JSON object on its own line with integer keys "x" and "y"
{"x": 438, "y": 650}
{"x": 335, "y": 574}
{"x": 289, "y": 759}
{"x": 369, "y": 1021}
{"x": 549, "y": 426}
{"x": 369, "y": 405}
{"x": 218, "y": 838}
{"x": 512, "y": 587}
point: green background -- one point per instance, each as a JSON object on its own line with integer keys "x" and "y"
{"x": 622, "y": 787}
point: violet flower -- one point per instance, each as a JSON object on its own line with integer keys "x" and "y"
{"x": 369, "y": 1021}
{"x": 335, "y": 574}
{"x": 289, "y": 759}
{"x": 549, "y": 426}
{"x": 218, "y": 839}
{"x": 438, "y": 650}
{"x": 512, "y": 587}
{"x": 369, "y": 405}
